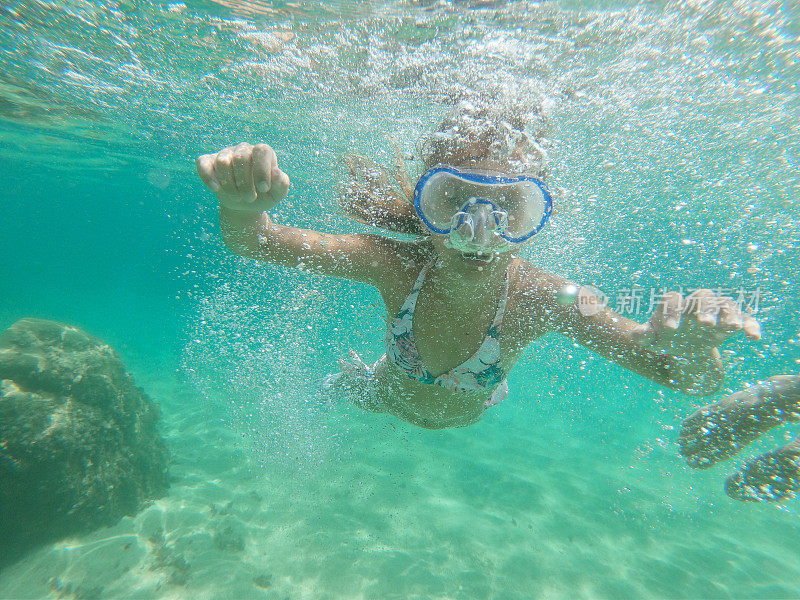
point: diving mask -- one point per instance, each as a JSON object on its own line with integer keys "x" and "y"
{"x": 482, "y": 211}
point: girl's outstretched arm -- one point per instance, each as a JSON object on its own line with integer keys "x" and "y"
{"x": 676, "y": 348}
{"x": 248, "y": 183}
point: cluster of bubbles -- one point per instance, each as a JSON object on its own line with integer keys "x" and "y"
{"x": 248, "y": 354}
{"x": 510, "y": 133}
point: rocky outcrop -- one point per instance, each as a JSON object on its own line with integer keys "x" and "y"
{"x": 79, "y": 446}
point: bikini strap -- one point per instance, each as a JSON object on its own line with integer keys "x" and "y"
{"x": 410, "y": 303}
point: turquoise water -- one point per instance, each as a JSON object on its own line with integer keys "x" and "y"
{"x": 674, "y": 164}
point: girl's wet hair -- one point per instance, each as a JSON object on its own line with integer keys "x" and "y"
{"x": 481, "y": 129}
{"x": 510, "y": 136}
{"x": 379, "y": 196}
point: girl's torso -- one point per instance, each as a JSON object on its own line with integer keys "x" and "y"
{"x": 447, "y": 331}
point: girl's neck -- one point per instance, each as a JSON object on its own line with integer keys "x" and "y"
{"x": 450, "y": 272}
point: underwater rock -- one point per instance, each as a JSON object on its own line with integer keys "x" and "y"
{"x": 79, "y": 446}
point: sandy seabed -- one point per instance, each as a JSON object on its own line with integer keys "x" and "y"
{"x": 382, "y": 510}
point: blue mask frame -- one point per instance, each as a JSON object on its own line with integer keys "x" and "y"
{"x": 483, "y": 178}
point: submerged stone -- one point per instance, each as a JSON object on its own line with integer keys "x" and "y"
{"x": 79, "y": 445}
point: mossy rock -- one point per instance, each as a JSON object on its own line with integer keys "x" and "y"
{"x": 79, "y": 444}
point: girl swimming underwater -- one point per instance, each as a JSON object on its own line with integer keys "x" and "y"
{"x": 464, "y": 304}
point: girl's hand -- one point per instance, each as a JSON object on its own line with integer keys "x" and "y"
{"x": 244, "y": 177}
{"x": 692, "y": 327}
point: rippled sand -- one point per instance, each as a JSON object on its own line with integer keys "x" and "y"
{"x": 397, "y": 512}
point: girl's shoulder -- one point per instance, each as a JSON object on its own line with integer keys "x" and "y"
{"x": 532, "y": 282}
{"x": 533, "y": 298}
{"x": 409, "y": 255}
{"x": 402, "y": 261}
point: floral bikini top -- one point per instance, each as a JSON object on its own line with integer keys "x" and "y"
{"x": 481, "y": 371}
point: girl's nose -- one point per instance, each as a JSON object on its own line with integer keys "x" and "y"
{"x": 464, "y": 225}
{"x": 484, "y": 224}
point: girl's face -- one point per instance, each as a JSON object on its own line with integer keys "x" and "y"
{"x": 496, "y": 208}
